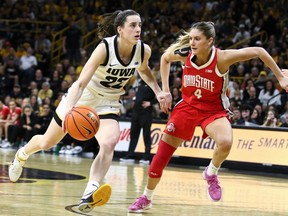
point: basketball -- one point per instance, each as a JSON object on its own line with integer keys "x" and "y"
{"x": 82, "y": 123}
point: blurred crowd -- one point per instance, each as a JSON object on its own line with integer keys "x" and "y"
{"x": 30, "y": 84}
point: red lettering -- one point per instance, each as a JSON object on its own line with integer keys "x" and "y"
{"x": 124, "y": 134}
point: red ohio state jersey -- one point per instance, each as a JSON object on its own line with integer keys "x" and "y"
{"x": 204, "y": 87}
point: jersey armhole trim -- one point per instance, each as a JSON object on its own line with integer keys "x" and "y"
{"x": 107, "y": 52}
{"x": 142, "y": 51}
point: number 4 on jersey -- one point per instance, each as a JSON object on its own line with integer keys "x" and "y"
{"x": 198, "y": 93}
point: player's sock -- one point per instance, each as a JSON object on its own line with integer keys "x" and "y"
{"x": 212, "y": 170}
{"x": 91, "y": 186}
{"x": 148, "y": 193}
{"x": 22, "y": 155}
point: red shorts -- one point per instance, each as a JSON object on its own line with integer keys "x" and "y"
{"x": 184, "y": 118}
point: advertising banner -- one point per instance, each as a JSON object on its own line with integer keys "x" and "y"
{"x": 249, "y": 145}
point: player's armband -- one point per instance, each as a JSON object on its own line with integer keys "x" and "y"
{"x": 184, "y": 52}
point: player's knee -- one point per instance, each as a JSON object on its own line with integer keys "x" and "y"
{"x": 108, "y": 144}
{"x": 157, "y": 166}
{"x": 155, "y": 172}
{"x": 225, "y": 145}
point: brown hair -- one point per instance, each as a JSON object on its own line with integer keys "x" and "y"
{"x": 108, "y": 25}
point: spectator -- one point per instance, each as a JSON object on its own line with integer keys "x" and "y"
{"x": 269, "y": 95}
{"x": 255, "y": 72}
{"x": 24, "y": 130}
{"x": 4, "y": 110}
{"x": 237, "y": 97}
{"x": 42, "y": 43}
{"x": 11, "y": 56}
{"x": 260, "y": 82}
{"x": 72, "y": 43}
{"x": 260, "y": 110}
{"x": 233, "y": 87}
{"x": 28, "y": 64}
{"x": 284, "y": 112}
{"x": 71, "y": 75}
{"x": 176, "y": 96}
{"x": 4, "y": 51}
{"x": 128, "y": 103}
{"x": 271, "y": 119}
{"x": 43, "y": 61}
{"x": 256, "y": 117}
{"x": 246, "y": 112}
{"x": 4, "y": 82}
{"x": 55, "y": 82}
{"x": 58, "y": 99}
{"x": 141, "y": 118}
{"x": 156, "y": 71}
{"x": 34, "y": 104}
{"x": 43, "y": 120}
{"x": 39, "y": 78}
{"x": 285, "y": 124}
{"x": 16, "y": 93}
{"x": 45, "y": 91}
{"x": 236, "y": 118}
{"x": 13, "y": 118}
{"x": 12, "y": 71}
{"x": 252, "y": 99}
{"x": 241, "y": 35}
{"x": 59, "y": 67}
{"x": 247, "y": 84}
{"x": 33, "y": 86}
{"x": 64, "y": 86}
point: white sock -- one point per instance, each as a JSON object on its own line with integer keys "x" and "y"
{"x": 21, "y": 154}
{"x": 212, "y": 170}
{"x": 148, "y": 193}
{"x": 90, "y": 187}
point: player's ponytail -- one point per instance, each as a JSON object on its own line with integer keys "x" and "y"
{"x": 181, "y": 43}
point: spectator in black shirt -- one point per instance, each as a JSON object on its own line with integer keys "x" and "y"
{"x": 4, "y": 80}
{"x": 141, "y": 118}
{"x": 252, "y": 99}
{"x": 12, "y": 71}
{"x": 72, "y": 43}
{"x": 25, "y": 129}
{"x": 43, "y": 120}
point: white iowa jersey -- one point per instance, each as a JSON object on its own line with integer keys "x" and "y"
{"x": 111, "y": 77}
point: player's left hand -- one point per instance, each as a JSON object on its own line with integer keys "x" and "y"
{"x": 284, "y": 80}
{"x": 165, "y": 100}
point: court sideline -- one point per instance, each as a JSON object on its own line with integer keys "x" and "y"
{"x": 53, "y": 185}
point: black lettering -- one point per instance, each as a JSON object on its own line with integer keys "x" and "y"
{"x": 195, "y": 141}
{"x": 115, "y": 72}
{"x": 109, "y": 70}
{"x": 156, "y": 135}
{"x": 209, "y": 144}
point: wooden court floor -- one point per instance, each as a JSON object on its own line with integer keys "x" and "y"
{"x": 53, "y": 185}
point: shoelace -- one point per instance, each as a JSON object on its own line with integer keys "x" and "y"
{"x": 139, "y": 202}
{"x": 213, "y": 182}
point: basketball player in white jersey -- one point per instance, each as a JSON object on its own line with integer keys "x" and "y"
{"x": 100, "y": 85}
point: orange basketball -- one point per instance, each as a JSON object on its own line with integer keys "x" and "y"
{"x": 82, "y": 123}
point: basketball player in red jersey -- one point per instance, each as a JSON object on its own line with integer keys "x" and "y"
{"x": 204, "y": 103}
{"x": 101, "y": 83}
